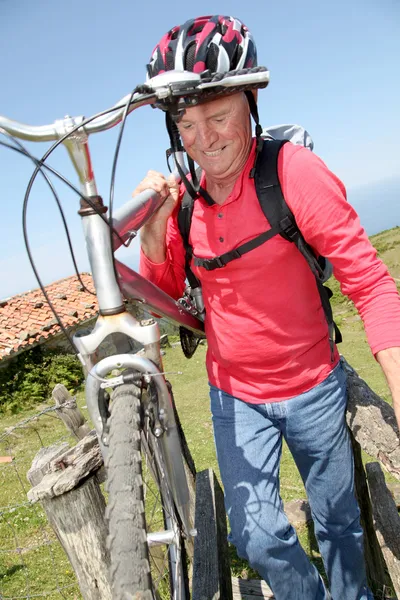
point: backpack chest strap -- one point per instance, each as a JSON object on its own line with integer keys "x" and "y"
{"x": 221, "y": 261}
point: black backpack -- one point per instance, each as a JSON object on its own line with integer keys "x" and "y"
{"x": 282, "y": 222}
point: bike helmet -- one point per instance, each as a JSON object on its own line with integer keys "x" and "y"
{"x": 215, "y": 43}
{"x": 210, "y": 46}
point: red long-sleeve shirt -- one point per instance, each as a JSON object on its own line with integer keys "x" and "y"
{"x": 266, "y": 330}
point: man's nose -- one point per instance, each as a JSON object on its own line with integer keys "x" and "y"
{"x": 206, "y": 135}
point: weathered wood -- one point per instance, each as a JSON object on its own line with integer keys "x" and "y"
{"x": 373, "y": 422}
{"x": 211, "y": 567}
{"x": 77, "y": 516}
{"x": 386, "y": 521}
{"x": 394, "y": 489}
{"x": 41, "y": 462}
{"x": 250, "y": 589}
{"x": 66, "y": 470}
{"x": 375, "y": 563}
{"x": 69, "y": 412}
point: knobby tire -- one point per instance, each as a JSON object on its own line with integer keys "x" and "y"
{"x": 132, "y": 565}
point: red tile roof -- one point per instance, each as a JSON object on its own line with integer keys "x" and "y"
{"x": 27, "y": 320}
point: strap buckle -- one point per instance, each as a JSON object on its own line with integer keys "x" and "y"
{"x": 213, "y": 263}
{"x": 289, "y": 228}
{"x": 210, "y": 264}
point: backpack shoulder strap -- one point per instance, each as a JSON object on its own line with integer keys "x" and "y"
{"x": 185, "y": 214}
{"x": 279, "y": 215}
{"x": 269, "y": 191}
{"x": 273, "y": 203}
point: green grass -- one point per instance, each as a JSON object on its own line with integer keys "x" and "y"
{"x": 40, "y": 570}
{"x": 31, "y": 559}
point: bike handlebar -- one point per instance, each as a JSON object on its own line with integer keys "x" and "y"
{"x": 101, "y": 122}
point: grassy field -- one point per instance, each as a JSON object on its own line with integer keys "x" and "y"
{"x": 32, "y": 562}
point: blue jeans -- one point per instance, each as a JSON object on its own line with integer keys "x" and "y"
{"x": 248, "y": 440}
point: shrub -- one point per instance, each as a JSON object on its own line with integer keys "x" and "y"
{"x": 30, "y": 377}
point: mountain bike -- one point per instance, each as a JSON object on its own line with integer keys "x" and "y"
{"x": 129, "y": 399}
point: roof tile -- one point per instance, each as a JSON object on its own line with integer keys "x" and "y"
{"x": 27, "y": 319}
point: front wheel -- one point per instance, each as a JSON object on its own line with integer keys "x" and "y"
{"x": 145, "y": 540}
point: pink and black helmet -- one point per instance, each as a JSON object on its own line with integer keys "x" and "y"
{"x": 216, "y": 43}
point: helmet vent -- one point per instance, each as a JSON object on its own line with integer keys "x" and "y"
{"x": 190, "y": 56}
{"x": 212, "y": 58}
{"x": 222, "y": 28}
{"x": 236, "y": 57}
{"x": 169, "y": 61}
{"x": 196, "y": 29}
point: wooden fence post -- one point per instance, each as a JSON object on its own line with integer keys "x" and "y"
{"x": 69, "y": 412}
{"x": 63, "y": 481}
{"x": 386, "y": 521}
{"x": 211, "y": 565}
{"x": 212, "y": 578}
{"x": 374, "y": 560}
{"x": 373, "y": 427}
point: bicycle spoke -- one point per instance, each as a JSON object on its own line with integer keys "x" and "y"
{"x": 159, "y": 507}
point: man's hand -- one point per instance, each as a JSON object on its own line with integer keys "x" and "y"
{"x": 152, "y": 234}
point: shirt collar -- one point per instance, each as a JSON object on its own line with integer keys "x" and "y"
{"x": 239, "y": 183}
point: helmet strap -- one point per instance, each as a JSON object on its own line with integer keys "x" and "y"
{"x": 258, "y": 129}
{"x": 192, "y": 186}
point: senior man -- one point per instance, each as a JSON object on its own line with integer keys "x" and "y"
{"x": 272, "y": 371}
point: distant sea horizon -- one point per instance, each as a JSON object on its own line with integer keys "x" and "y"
{"x": 377, "y": 204}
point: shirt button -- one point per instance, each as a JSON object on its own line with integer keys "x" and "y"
{"x": 221, "y": 239}
{"x": 220, "y": 215}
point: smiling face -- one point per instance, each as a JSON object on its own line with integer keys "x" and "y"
{"x": 217, "y": 136}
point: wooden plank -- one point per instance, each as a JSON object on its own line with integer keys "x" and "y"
{"x": 386, "y": 521}
{"x": 250, "y": 589}
{"x": 66, "y": 470}
{"x": 374, "y": 559}
{"x": 211, "y": 566}
{"x": 41, "y": 462}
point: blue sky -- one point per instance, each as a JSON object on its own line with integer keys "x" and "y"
{"x": 334, "y": 69}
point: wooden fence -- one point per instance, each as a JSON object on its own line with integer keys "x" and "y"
{"x": 67, "y": 483}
